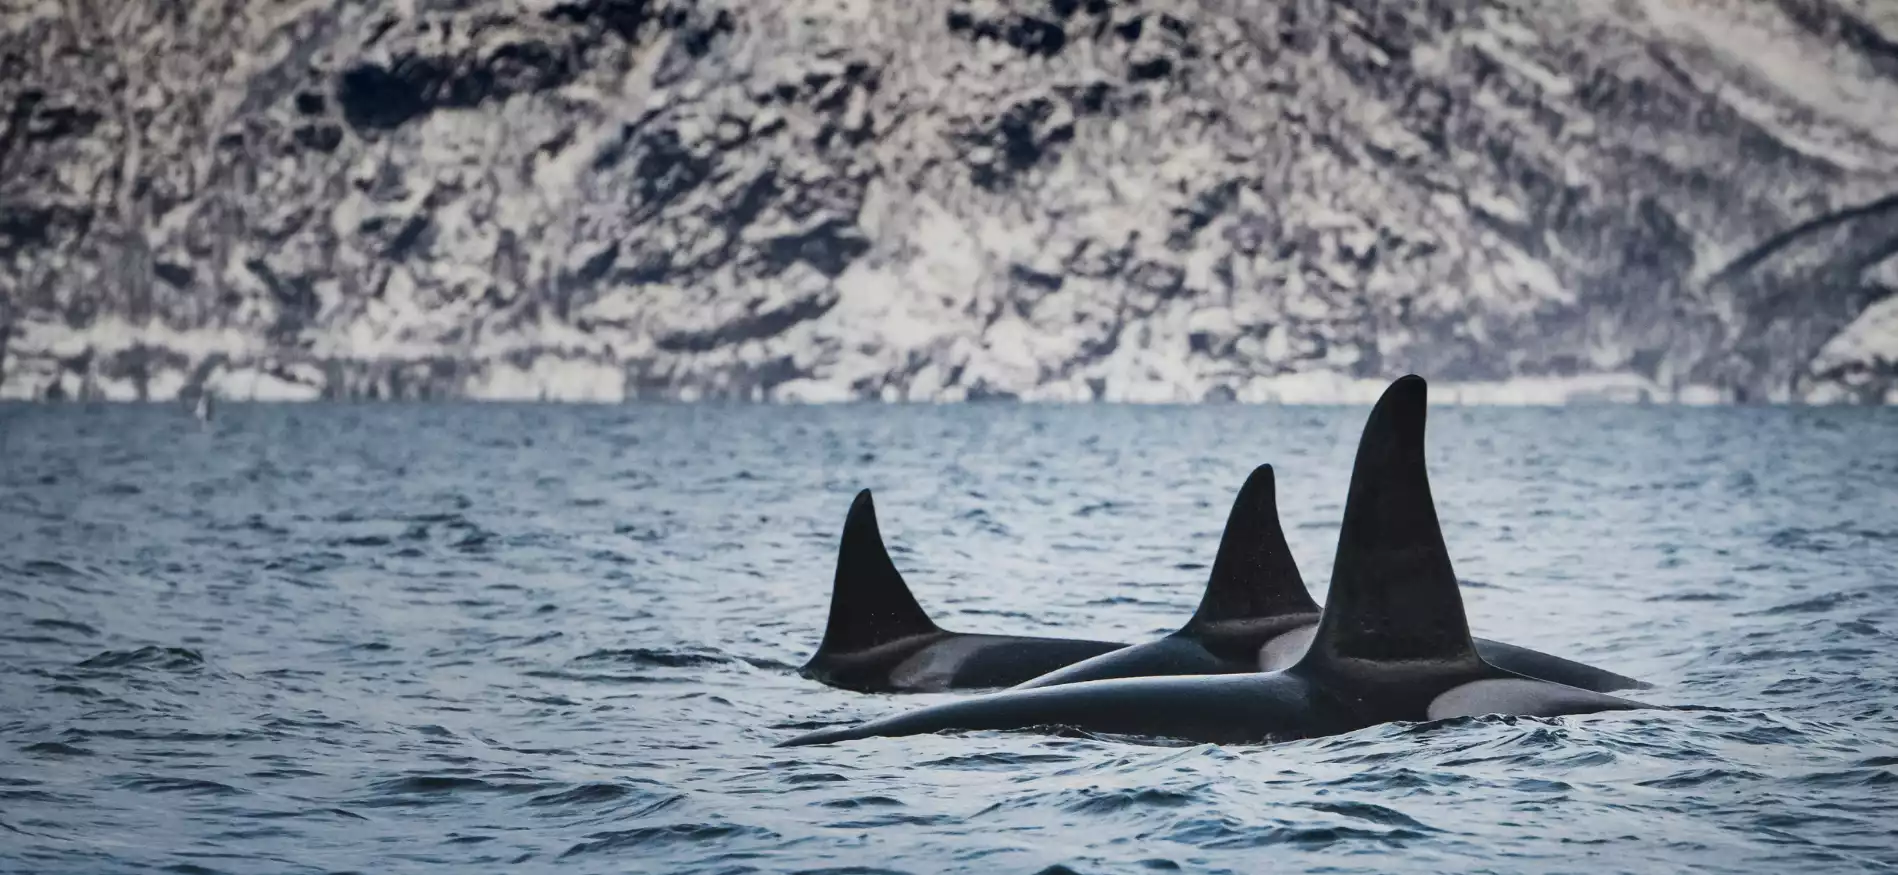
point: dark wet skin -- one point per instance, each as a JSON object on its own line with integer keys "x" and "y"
{"x": 1392, "y": 644}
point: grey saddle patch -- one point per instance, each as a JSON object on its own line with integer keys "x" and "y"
{"x": 935, "y": 666}
{"x": 1285, "y": 650}
{"x": 1522, "y": 697}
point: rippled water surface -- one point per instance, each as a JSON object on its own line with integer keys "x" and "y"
{"x": 527, "y": 638}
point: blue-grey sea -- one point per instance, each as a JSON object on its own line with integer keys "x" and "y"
{"x": 532, "y": 638}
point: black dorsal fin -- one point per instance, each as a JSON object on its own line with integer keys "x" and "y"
{"x": 869, "y": 602}
{"x": 1254, "y": 575}
{"x": 1394, "y": 595}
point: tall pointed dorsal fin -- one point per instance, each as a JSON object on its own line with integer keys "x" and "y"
{"x": 1254, "y": 575}
{"x": 869, "y": 602}
{"x": 1394, "y": 595}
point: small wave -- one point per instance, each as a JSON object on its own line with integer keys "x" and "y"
{"x": 1377, "y": 814}
{"x": 473, "y": 542}
{"x": 363, "y": 541}
{"x": 56, "y": 748}
{"x": 279, "y": 774}
{"x": 654, "y": 657}
{"x": 50, "y": 568}
{"x": 855, "y": 802}
{"x": 1572, "y": 760}
{"x": 1225, "y": 835}
{"x": 896, "y": 820}
{"x": 872, "y": 870}
{"x": 32, "y": 639}
{"x": 1812, "y": 605}
{"x": 427, "y": 784}
{"x": 1793, "y": 685}
{"x": 603, "y": 678}
{"x": 1094, "y": 801}
{"x": 556, "y": 701}
{"x": 1700, "y": 778}
{"x": 815, "y": 778}
{"x": 191, "y": 869}
{"x": 1320, "y": 836}
{"x": 1396, "y": 780}
{"x": 67, "y": 625}
{"x": 150, "y": 735}
{"x": 1870, "y": 777}
{"x": 1830, "y": 654}
{"x": 1111, "y": 601}
{"x": 257, "y": 523}
{"x": 1769, "y": 735}
{"x": 1007, "y": 615}
{"x": 1825, "y": 540}
{"x": 299, "y": 813}
{"x": 594, "y": 793}
{"x": 96, "y": 696}
{"x": 306, "y": 563}
{"x": 678, "y": 833}
{"x": 996, "y": 761}
{"x": 414, "y": 790}
{"x": 1861, "y": 627}
{"x": 187, "y": 786}
{"x": 151, "y": 656}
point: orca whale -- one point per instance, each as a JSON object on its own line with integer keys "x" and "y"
{"x": 1392, "y": 643}
{"x": 879, "y": 640}
{"x": 1256, "y": 615}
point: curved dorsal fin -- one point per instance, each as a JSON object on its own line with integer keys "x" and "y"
{"x": 1254, "y": 575}
{"x": 869, "y": 602}
{"x": 1394, "y": 595}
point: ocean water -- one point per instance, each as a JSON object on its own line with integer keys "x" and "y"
{"x": 467, "y": 638}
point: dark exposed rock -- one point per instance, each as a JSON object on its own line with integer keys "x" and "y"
{"x": 827, "y": 248}
{"x": 1018, "y": 139}
{"x": 638, "y": 21}
{"x": 379, "y": 96}
{"x": 1031, "y": 35}
{"x": 178, "y": 275}
{"x": 322, "y": 138}
{"x": 1150, "y": 69}
{"x": 1047, "y": 282}
{"x": 755, "y": 326}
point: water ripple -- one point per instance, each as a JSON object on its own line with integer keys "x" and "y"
{"x": 517, "y": 638}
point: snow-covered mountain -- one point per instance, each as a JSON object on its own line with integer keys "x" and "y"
{"x": 1046, "y": 199}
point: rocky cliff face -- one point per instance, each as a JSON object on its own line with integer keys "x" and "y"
{"x": 1063, "y": 199}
